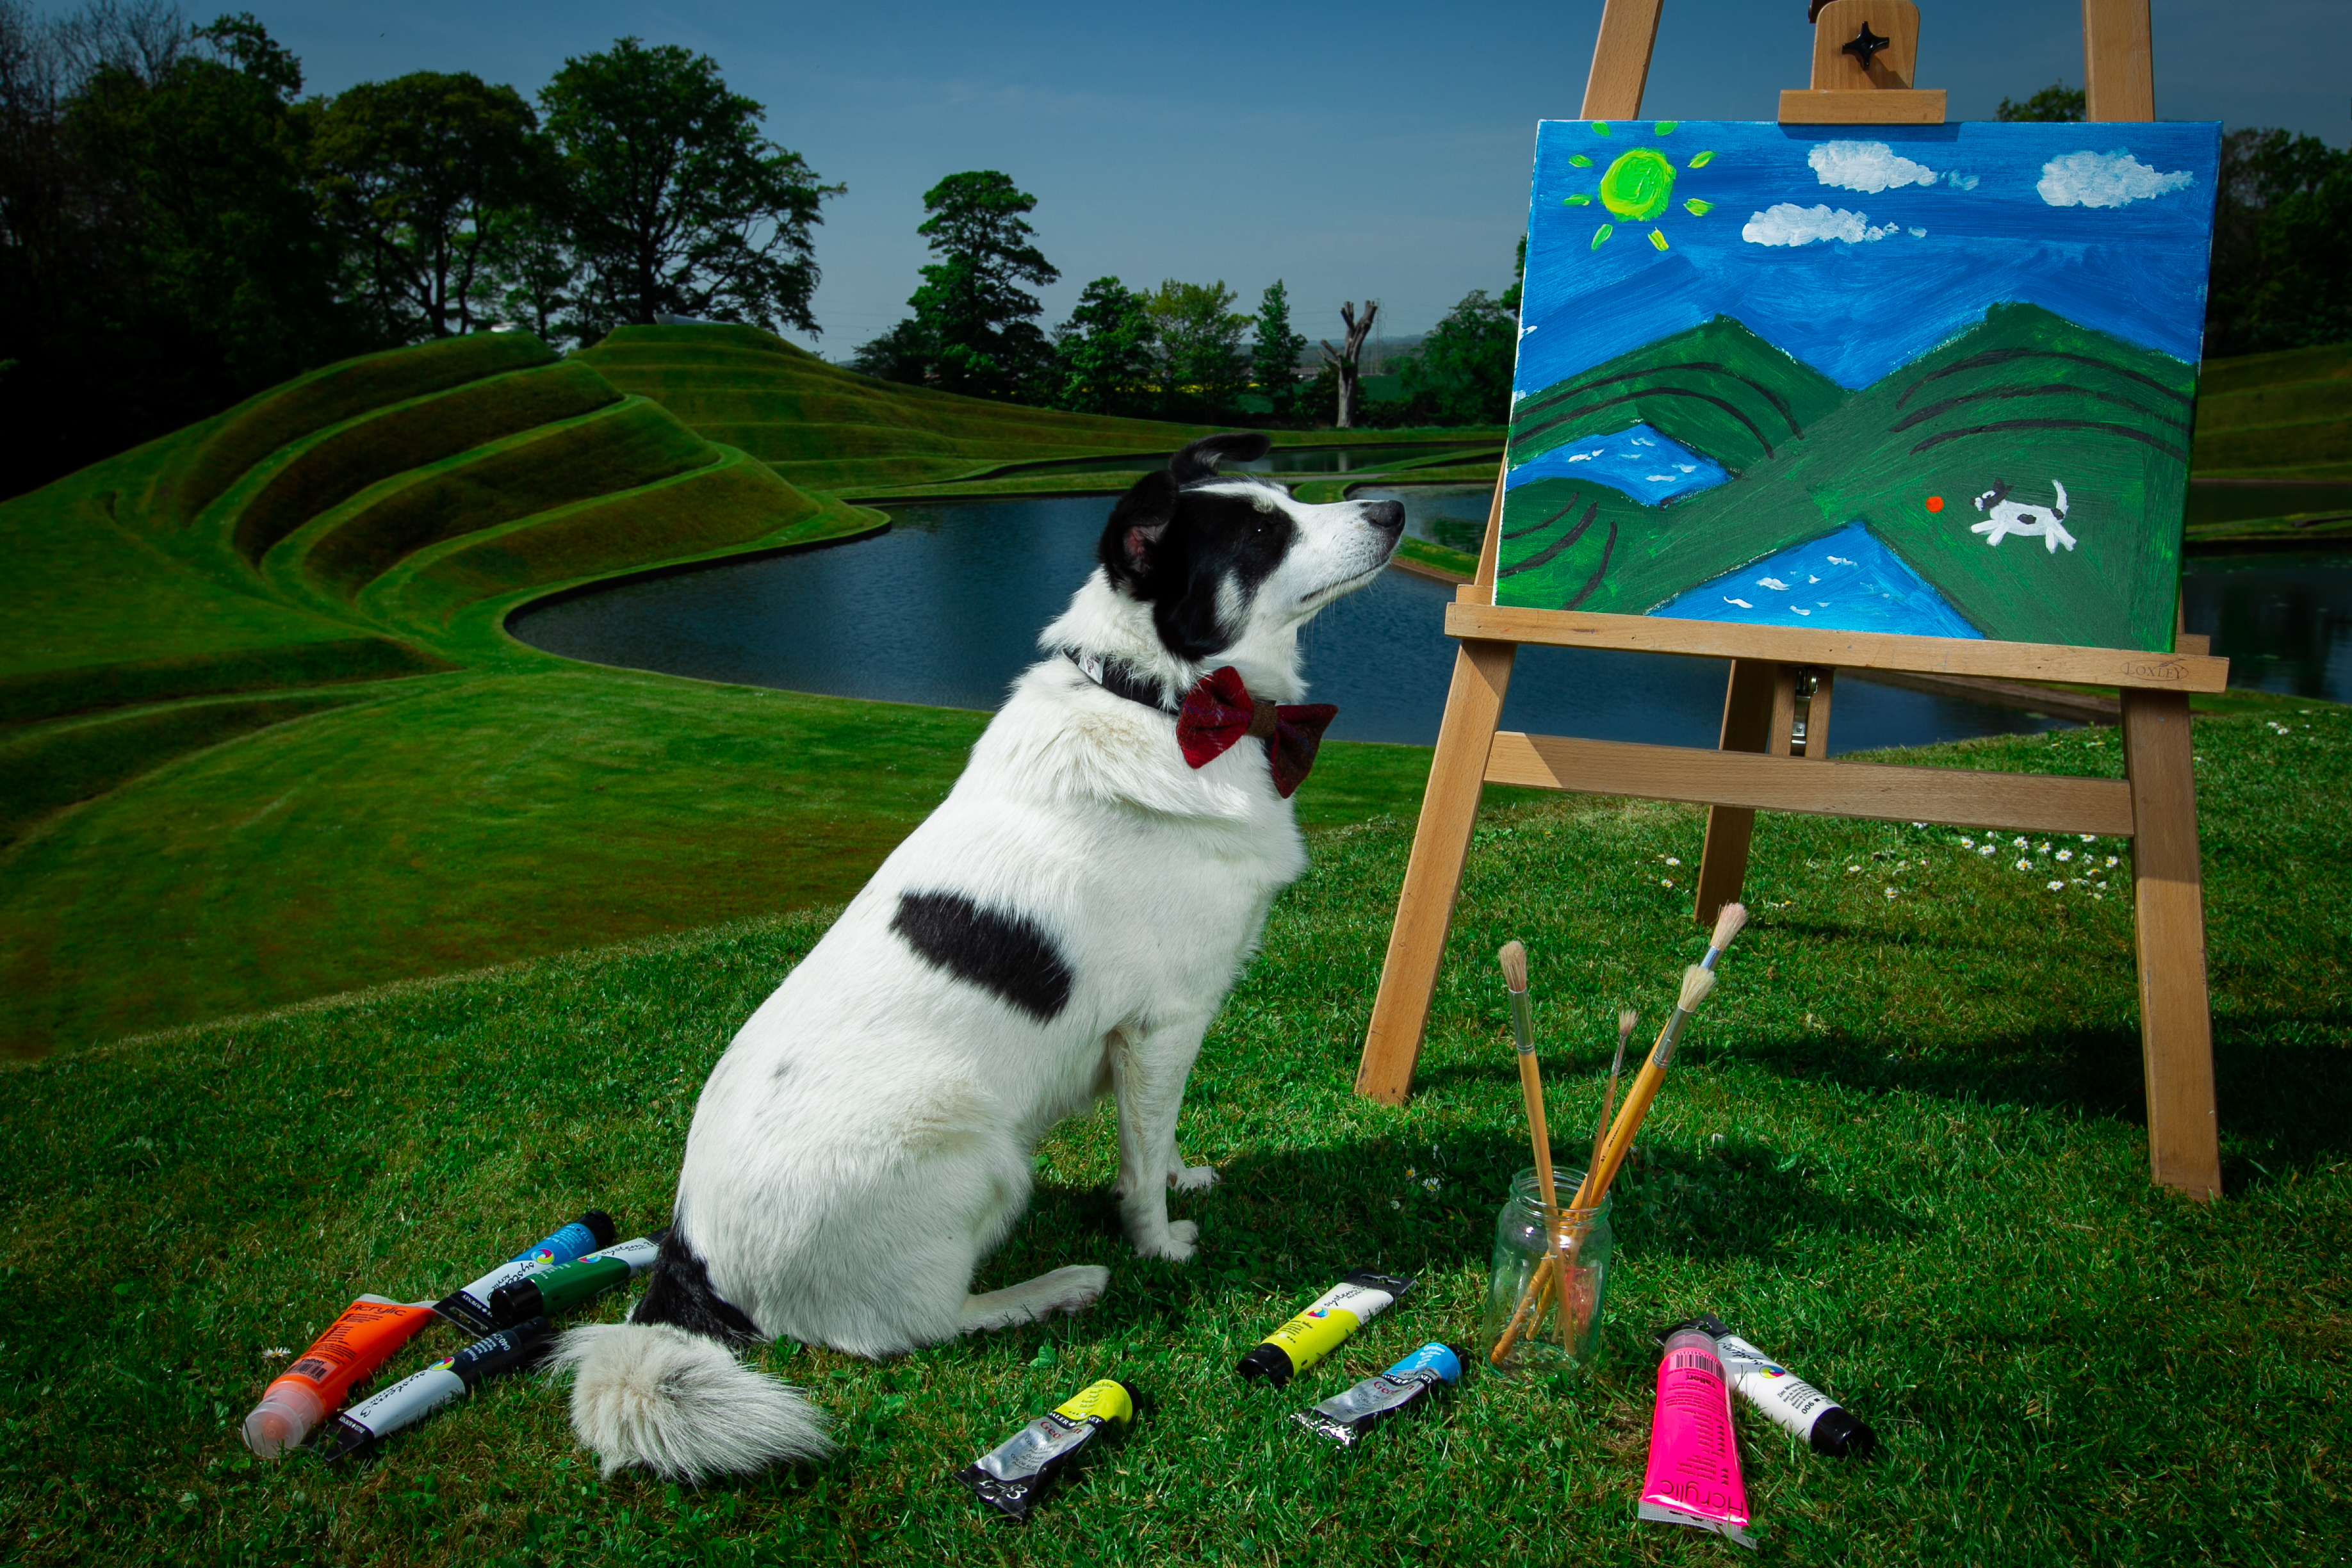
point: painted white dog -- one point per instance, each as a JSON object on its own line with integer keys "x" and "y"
{"x": 1067, "y": 925}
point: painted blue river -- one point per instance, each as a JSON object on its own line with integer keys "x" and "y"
{"x": 945, "y": 609}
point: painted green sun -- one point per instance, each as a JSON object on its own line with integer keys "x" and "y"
{"x": 1638, "y": 187}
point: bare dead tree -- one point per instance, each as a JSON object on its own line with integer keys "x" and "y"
{"x": 1347, "y": 359}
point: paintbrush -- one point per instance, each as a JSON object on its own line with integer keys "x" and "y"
{"x": 1728, "y": 922}
{"x": 1514, "y": 960}
{"x": 1697, "y": 984}
{"x": 1626, "y": 1021}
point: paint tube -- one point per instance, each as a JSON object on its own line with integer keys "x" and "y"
{"x": 469, "y": 1308}
{"x": 1694, "y": 1474}
{"x": 559, "y": 1289}
{"x": 1012, "y": 1476}
{"x": 420, "y": 1394}
{"x": 1792, "y": 1403}
{"x": 1344, "y": 1417}
{"x": 1316, "y": 1331}
{"x": 353, "y": 1346}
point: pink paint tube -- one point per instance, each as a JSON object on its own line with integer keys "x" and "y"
{"x": 1694, "y": 1476}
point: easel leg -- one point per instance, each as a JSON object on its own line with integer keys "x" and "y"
{"x": 2176, "y": 1020}
{"x": 1758, "y": 706}
{"x": 1482, "y": 672}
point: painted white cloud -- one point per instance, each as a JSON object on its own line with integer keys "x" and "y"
{"x": 2105, "y": 180}
{"x": 1866, "y": 166}
{"x": 1786, "y": 224}
{"x": 1961, "y": 182}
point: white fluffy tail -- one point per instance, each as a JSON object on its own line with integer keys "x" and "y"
{"x": 680, "y": 1404}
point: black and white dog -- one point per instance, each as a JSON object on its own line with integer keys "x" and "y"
{"x": 1067, "y": 925}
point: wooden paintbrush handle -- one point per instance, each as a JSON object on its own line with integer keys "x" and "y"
{"x": 1531, "y": 1087}
{"x": 1646, "y": 1084}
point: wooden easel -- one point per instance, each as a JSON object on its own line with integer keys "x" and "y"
{"x": 1757, "y": 766}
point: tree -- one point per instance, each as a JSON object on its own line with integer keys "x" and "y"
{"x": 419, "y": 173}
{"x": 1462, "y": 374}
{"x": 675, "y": 202}
{"x": 974, "y": 329}
{"x": 2281, "y": 229}
{"x": 1345, "y": 360}
{"x": 528, "y": 272}
{"x": 164, "y": 254}
{"x": 1106, "y": 351}
{"x": 2057, "y": 101}
{"x": 1202, "y": 372}
{"x": 1273, "y": 353}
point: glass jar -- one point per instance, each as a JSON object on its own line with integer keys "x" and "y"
{"x": 1531, "y": 1325}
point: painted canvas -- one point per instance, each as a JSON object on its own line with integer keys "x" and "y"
{"x": 1935, "y": 380}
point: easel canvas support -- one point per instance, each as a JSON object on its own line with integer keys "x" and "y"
{"x": 1757, "y": 765}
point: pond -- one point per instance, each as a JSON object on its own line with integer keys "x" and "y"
{"x": 2283, "y": 621}
{"x": 945, "y": 606}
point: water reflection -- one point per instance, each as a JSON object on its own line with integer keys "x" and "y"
{"x": 945, "y": 609}
{"x": 2285, "y": 622}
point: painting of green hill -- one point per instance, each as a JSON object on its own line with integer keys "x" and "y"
{"x": 2026, "y": 404}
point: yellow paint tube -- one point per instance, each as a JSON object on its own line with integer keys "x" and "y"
{"x": 1316, "y": 1331}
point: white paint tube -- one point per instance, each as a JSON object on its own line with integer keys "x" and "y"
{"x": 1791, "y": 1402}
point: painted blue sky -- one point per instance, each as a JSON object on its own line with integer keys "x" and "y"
{"x": 1859, "y": 249}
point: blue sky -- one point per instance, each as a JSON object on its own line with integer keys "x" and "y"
{"x": 1861, "y": 248}
{"x": 1367, "y": 149}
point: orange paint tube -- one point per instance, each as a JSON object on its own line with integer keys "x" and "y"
{"x": 353, "y": 1346}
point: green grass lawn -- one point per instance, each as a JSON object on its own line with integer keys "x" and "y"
{"x": 1903, "y": 1150}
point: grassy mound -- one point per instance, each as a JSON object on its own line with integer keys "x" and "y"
{"x": 2274, "y": 449}
{"x": 1901, "y": 1148}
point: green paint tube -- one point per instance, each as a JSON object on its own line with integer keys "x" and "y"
{"x": 553, "y": 1292}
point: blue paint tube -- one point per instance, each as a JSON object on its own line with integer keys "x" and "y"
{"x": 1344, "y": 1417}
{"x": 469, "y": 1308}
{"x": 420, "y": 1394}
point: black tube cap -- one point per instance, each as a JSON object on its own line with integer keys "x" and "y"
{"x": 1840, "y": 1435}
{"x": 600, "y": 1225}
{"x": 515, "y": 1300}
{"x": 1268, "y": 1362}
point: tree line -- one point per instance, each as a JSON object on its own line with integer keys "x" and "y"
{"x": 181, "y": 226}
{"x": 1179, "y": 351}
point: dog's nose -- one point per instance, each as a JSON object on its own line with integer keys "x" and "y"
{"x": 1388, "y": 516}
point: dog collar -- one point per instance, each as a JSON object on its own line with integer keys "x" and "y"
{"x": 1116, "y": 677}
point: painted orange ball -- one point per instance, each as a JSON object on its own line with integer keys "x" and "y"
{"x": 1934, "y": 503}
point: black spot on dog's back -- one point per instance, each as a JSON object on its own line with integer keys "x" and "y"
{"x": 679, "y": 1293}
{"x": 1007, "y": 955}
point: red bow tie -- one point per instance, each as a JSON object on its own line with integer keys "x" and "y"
{"x": 1219, "y": 710}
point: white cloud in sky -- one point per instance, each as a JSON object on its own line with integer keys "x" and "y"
{"x": 1866, "y": 166}
{"x": 2105, "y": 180}
{"x": 1787, "y": 224}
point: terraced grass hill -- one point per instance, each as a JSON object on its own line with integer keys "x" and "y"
{"x": 262, "y": 736}
{"x": 826, "y": 428}
{"x": 2273, "y": 453}
{"x": 345, "y": 544}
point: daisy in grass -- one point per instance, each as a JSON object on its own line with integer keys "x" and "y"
{"x": 2053, "y": 887}
{"x": 2025, "y": 865}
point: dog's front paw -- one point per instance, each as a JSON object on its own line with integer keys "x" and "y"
{"x": 1075, "y": 1287}
{"x": 1193, "y": 1178}
{"x": 1177, "y": 1245}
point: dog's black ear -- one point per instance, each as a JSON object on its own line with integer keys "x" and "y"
{"x": 1131, "y": 539}
{"x": 1199, "y": 461}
